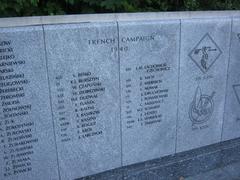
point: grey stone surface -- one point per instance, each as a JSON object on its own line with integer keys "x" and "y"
{"x": 189, "y": 163}
{"x": 84, "y": 80}
{"x": 230, "y": 153}
{"x": 27, "y": 145}
{"x": 230, "y": 172}
{"x": 149, "y": 56}
{"x": 115, "y": 174}
{"x": 114, "y": 96}
{"x": 233, "y": 170}
{"x": 231, "y": 127}
{"x": 218, "y": 174}
{"x": 203, "y": 72}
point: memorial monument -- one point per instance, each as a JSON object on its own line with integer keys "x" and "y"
{"x": 89, "y": 94}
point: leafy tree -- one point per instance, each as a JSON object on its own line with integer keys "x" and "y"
{"x": 54, "y": 7}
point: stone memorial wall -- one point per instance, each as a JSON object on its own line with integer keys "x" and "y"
{"x": 79, "y": 98}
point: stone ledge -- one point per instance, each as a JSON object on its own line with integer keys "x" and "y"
{"x": 182, "y": 164}
{"x": 84, "y": 18}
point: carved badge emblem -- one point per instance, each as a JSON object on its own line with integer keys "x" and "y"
{"x": 205, "y": 53}
{"x": 201, "y": 108}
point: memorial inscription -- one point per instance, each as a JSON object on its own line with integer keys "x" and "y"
{"x": 203, "y": 73}
{"x": 84, "y": 81}
{"x": 149, "y": 86}
{"x": 26, "y": 130}
{"x": 80, "y": 99}
{"x": 232, "y": 106}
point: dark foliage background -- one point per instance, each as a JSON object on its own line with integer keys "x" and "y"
{"x": 54, "y": 7}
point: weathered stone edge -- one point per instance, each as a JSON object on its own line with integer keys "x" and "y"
{"x": 182, "y": 164}
{"x": 86, "y": 18}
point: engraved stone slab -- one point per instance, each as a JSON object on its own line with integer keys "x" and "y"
{"x": 203, "y": 72}
{"x": 27, "y": 145}
{"x": 231, "y": 128}
{"x": 149, "y": 57}
{"x": 84, "y": 81}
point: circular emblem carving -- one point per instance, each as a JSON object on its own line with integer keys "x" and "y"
{"x": 201, "y": 108}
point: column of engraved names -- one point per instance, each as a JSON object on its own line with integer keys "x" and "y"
{"x": 150, "y": 92}
{"x": 86, "y": 89}
{"x": 85, "y": 92}
{"x": 62, "y": 114}
{"x": 16, "y": 129}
